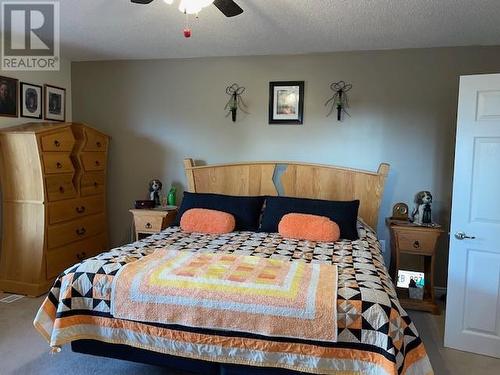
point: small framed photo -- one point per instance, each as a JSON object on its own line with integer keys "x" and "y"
{"x": 31, "y": 100}
{"x": 55, "y": 103}
{"x": 286, "y": 102}
{"x": 8, "y": 97}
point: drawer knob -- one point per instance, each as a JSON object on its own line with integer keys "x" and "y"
{"x": 61, "y": 189}
{"x": 148, "y": 226}
{"x": 81, "y": 231}
{"x": 58, "y": 165}
{"x": 98, "y": 144}
{"x": 416, "y": 244}
{"x": 80, "y": 209}
{"x": 97, "y": 163}
{"x": 57, "y": 143}
{"x": 96, "y": 184}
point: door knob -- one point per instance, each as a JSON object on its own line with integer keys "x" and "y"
{"x": 462, "y": 236}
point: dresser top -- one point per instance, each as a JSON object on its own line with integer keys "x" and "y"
{"x": 41, "y": 127}
{"x": 35, "y": 127}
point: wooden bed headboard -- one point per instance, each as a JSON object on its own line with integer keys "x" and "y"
{"x": 292, "y": 179}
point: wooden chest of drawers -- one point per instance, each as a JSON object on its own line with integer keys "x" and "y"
{"x": 54, "y": 205}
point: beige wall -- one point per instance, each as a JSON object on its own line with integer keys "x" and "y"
{"x": 403, "y": 109}
{"x": 61, "y": 78}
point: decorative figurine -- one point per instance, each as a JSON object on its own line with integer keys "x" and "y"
{"x": 422, "y": 213}
{"x": 154, "y": 191}
{"x": 171, "y": 198}
{"x": 339, "y": 100}
{"x": 236, "y": 101}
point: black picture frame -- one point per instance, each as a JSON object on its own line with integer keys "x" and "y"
{"x": 54, "y": 103}
{"x": 9, "y": 97}
{"x": 296, "y": 108}
{"x": 25, "y": 95}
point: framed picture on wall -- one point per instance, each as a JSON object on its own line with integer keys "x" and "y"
{"x": 286, "y": 102}
{"x": 8, "y": 97}
{"x": 31, "y": 100}
{"x": 55, "y": 103}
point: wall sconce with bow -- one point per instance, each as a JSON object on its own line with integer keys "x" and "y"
{"x": 235, "y": 101}
{"x": 339, "y": 101}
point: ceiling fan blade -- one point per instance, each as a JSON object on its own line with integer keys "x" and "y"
{"x": 228, "y": 7}
{"x": 142, "y": 1}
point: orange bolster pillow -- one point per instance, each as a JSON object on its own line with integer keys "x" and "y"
{"x": 309, "y": 227}
{"x": 201, "y": 220}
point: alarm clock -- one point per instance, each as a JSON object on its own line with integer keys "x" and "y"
{"x": 400, "y": 211}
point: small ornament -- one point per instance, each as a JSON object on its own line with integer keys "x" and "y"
{"x": 339, "y": 100}
{"x": 187, "y": 28}
{"x": 235, "y": 101}
{"x": 164, "y": 201}
{"x": 171, "y": 199}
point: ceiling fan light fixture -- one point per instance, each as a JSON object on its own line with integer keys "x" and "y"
{"x": 228, "y": 7}
{"x": 193, "y": 6}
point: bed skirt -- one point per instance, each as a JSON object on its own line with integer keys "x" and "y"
{"x": 194, "y": 366}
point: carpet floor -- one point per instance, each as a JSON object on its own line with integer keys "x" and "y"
{"x": 23, "y": 351}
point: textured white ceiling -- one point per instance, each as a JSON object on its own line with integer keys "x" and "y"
{"x": 117, "y": 29}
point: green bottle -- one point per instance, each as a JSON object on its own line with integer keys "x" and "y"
{"x": 171, "y": 196}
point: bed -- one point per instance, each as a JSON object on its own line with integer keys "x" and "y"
{"x": 374, "y": 335}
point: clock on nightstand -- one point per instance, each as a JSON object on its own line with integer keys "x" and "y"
{"x": 400, "y": 211}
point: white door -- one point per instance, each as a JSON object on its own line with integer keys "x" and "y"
{"x": 473, "y": 304}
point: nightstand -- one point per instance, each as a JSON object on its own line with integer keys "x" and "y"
{"x": 150, "y": 221}
{"x": 408, "y": 238}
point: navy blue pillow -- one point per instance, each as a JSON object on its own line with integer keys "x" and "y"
{"x": 344, "y": 213}
{"x": 246, "y": 210}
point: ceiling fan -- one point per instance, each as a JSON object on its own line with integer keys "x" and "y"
{"x": 228, "y": 7}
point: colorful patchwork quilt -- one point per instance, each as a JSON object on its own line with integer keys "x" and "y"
{"x": 374, "y": 334}
{"x": 241, "y": 293}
